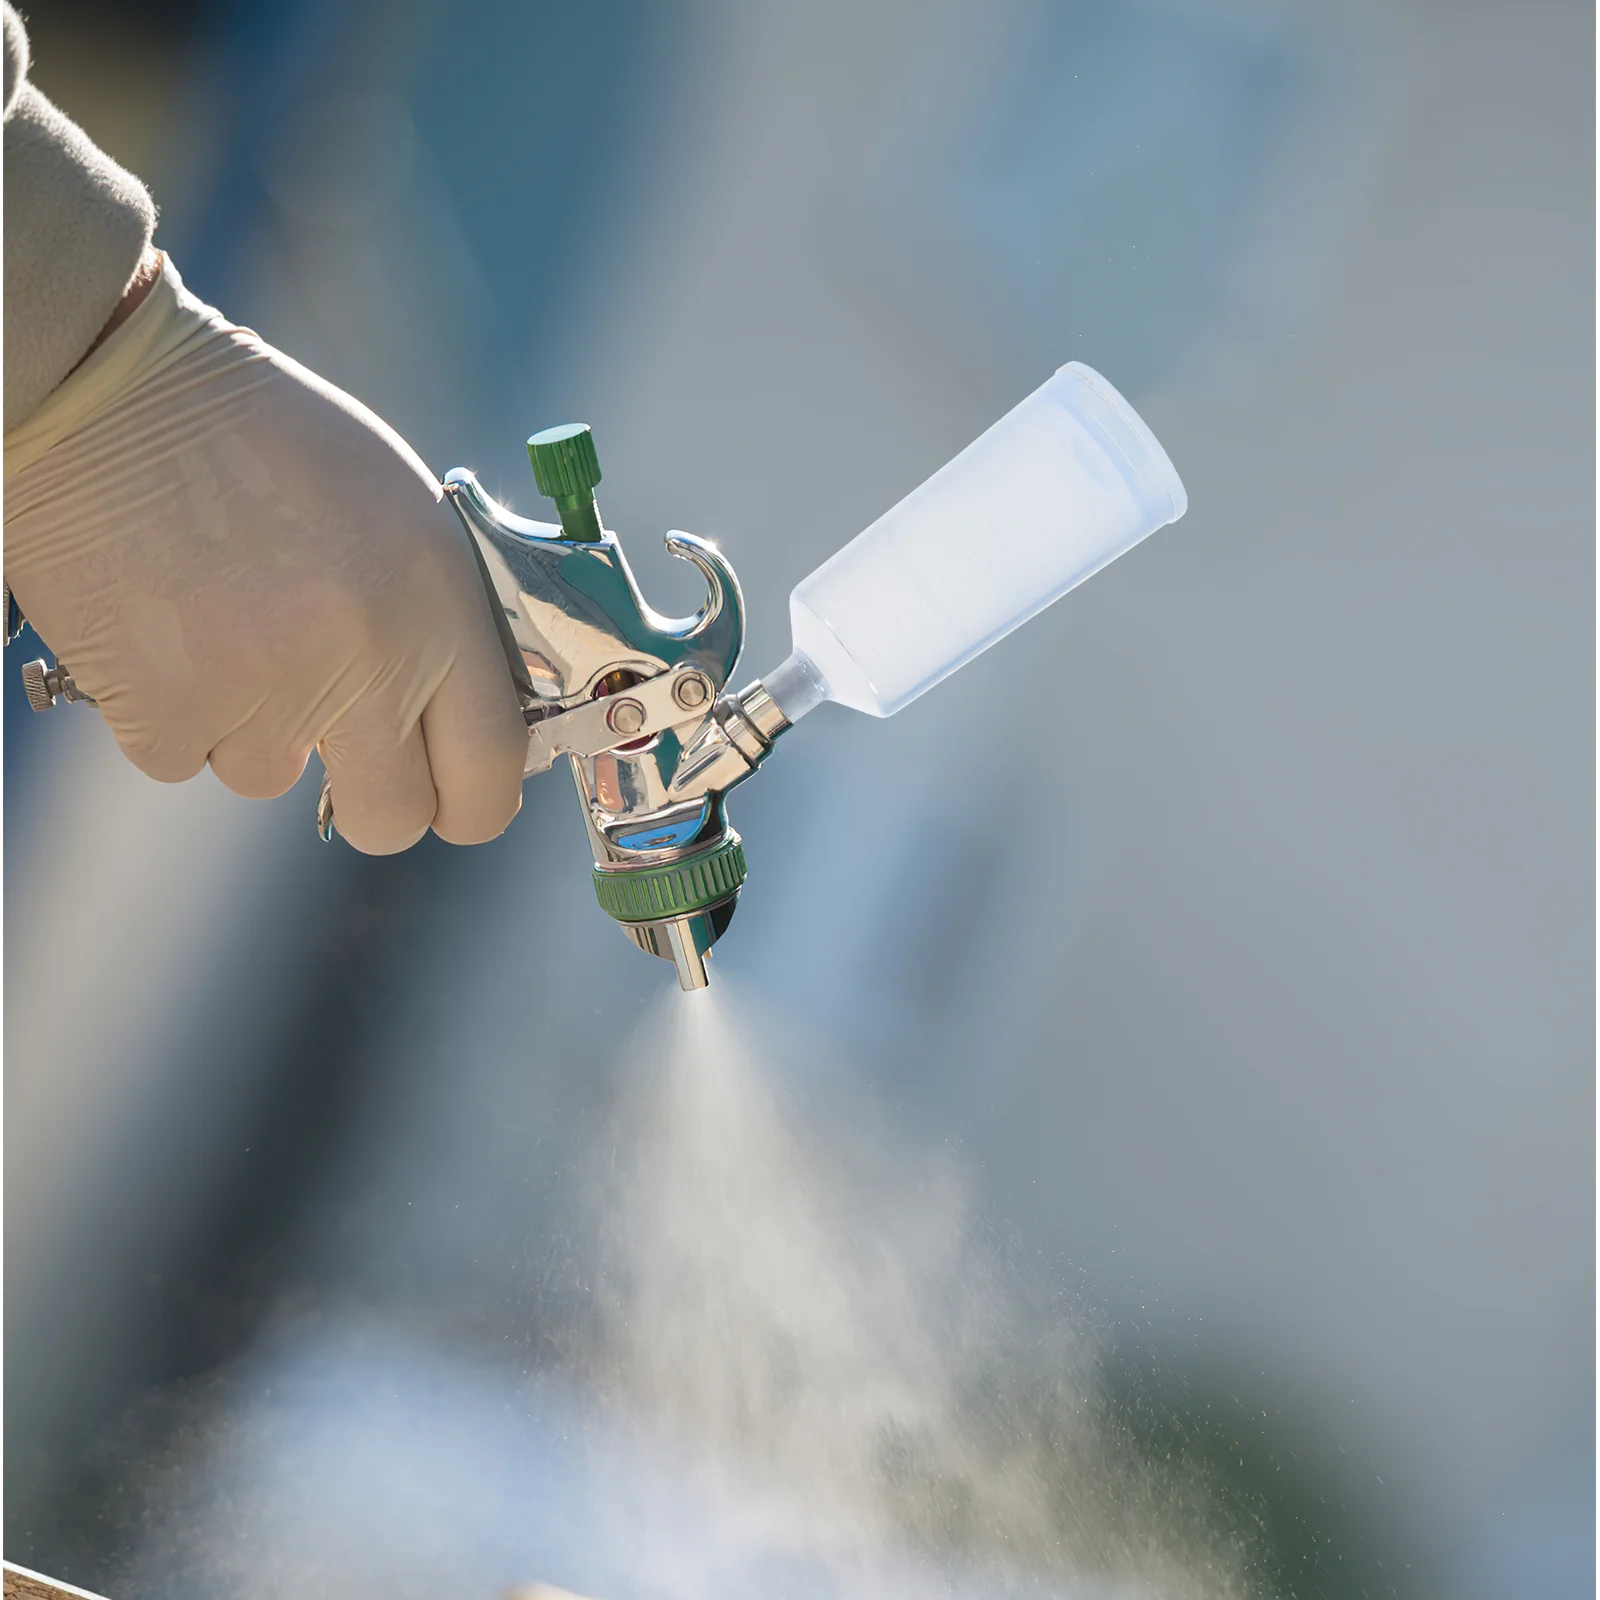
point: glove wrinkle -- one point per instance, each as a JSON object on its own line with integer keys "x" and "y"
{"x": 242, "y": 564}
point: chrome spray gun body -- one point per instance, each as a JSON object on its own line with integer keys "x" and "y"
{"x": 632, "y": 699}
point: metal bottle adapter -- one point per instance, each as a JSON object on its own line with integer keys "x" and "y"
{"x": 633, "y": 699}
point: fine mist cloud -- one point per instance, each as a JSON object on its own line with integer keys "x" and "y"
{"x": 799, "y": 1366}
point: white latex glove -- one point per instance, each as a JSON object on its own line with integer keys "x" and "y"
{"x": 240, "y": 563}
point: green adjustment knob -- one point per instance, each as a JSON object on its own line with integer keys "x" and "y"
{"x": 566, "y": 469}
{"x": 648, "y": 894}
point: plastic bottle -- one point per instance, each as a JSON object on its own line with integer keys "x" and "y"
{"x": 1058, "y": 487}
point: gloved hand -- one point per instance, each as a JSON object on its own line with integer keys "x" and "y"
{"x": 239, "y": 562}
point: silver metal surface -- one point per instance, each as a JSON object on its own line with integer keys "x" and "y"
{"x": 45, "y": 685}
{"x": 686, "y": 956}
{"x": 691, "y": 691}
{"x": 574, "y": 612}
{"x": 325, "y": 810}
{"x": 762, "y": 712}
{"x": 652, "y": 783}
{"x": 625, "y": 716}
{"x": 590, "y": 728}
{"x": 40, "y": 696}
{"x": 684, "y": 941}
{"x": 632, "y": 698}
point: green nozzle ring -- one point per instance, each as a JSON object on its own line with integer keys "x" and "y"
{"x": 649, "y": 894}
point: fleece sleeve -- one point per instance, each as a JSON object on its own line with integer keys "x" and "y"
{"x": 76, "y": 227}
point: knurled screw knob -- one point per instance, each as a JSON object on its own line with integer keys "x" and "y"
{"x": 36, "y": 681}
{"x": 46, "y": 685}
{"x": 566, "y": 468}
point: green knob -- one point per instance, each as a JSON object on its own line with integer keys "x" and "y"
{"x": 648, "y": 894}
{"x": 566, "y": 469}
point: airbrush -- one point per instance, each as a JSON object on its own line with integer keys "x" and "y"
{"x": 639, "y": 703}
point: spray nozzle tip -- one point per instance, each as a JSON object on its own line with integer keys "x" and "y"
{"x": 687, "y": 957}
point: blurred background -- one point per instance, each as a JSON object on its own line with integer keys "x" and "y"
{"x": 1275, "y": 1043}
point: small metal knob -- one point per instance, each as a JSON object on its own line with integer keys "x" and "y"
{"x": 36, "y": 680}
{"x": 325, "y": 809}
{"x": 692, "y": 691}
{"x": 626, "y": 716}
{"x": 46, "y": 685}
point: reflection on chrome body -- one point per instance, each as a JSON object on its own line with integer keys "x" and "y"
{"x": 684, "y": 941}
{"x": 634, "y": 699}
{"x": 574, "y": 613}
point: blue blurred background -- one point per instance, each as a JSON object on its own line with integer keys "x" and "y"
{"x": 1267, "y": 1020}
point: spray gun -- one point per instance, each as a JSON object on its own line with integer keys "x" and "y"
{"x": 634, "y": 700}
{"x": 1062, "y": 485}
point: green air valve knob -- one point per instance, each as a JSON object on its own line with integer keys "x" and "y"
{"x": 566, "y": 469}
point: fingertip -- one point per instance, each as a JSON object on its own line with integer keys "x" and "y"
{"x": 257, "y": 774}
{"x": 383, "y": 795}
{"x": 165, "y": 762}
{"x": 369, "y": 841}
{"x": 477, "y": 747}
{"x": 479, "y": 823}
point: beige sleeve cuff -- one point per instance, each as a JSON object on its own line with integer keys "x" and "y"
{"x": 76, "y": 227}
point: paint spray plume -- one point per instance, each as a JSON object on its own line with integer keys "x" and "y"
{"x": 812, "y": 1315}
{"x": 788, "y": 1362}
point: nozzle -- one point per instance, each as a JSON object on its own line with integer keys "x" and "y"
{"x": 670, "y": 874}
{"x": 677, "y": 910}
{"x": 684, "y": 941}
{"x": 690, "y": 964}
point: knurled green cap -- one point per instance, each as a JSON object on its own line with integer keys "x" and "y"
{"x": 564, "y": 464}
{"x": 647, "y": 894}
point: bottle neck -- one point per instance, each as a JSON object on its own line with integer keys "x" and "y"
{"x": 796, "y": 686}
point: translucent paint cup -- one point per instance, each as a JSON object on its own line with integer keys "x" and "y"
{"x": 1058, "y": 487}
